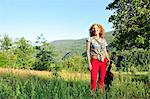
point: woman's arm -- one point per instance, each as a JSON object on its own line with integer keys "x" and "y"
{"x": 88, "y": 55}
{"x": 106, "y": 53}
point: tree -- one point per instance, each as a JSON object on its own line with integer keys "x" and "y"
{"x": 45, "y": 54}
{"x": 24, "y": 52}
{"x": 6, "y": 42}
{"x": 7, "y": 57}
{"x": 131, "y": 22}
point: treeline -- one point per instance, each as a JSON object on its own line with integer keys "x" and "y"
{"x": 131, "y": 60}
{"x": 41, "y": 55}
{"x": 23, "y": 54}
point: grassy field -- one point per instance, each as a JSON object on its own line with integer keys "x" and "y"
{"x": 29, "y": 84}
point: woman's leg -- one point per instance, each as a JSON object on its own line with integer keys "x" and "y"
{"x": 102, "y": 73}
{"x": 94, "y": 73}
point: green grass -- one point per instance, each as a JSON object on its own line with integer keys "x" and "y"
{"x": 34, "y": 87}
{"x": 40, "y": 88}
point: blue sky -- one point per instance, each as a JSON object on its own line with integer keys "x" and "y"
{"x": 56, "y": 19}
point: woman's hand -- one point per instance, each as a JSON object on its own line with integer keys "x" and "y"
{"x": 90, "y": 67}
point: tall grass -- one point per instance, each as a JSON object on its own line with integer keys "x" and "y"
{"x": 35, "y": 87}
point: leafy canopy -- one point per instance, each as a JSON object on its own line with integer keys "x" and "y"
{"x": 131, "y": 21}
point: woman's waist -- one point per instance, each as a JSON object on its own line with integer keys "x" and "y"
{"x": 95, "y": 52}
{"x": 95, "y": 56}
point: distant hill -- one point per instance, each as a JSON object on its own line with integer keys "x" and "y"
{"x": 75, "y": 46}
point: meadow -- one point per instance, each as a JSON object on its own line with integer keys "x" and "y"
{"x": 36, "y": 72}
{"x": 31, "y": 84}
{"x": 58, "y": 69}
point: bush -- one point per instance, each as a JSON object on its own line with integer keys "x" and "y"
{"x": 7, "y": 59}
{"x": 74, "y": 63}
{"x": 137, "y": 58}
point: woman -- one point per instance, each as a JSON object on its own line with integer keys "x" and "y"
{"x": 97, "y": 56}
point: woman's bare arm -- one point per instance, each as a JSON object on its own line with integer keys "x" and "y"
{"x": 88, "y": 54}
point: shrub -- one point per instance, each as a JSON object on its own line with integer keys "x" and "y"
{"x": 7, "y": 59}
{"x": 137, "y": 58}
{"x": 74, "y": 63}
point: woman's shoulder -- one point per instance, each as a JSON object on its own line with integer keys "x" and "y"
{"x": 104, "y": 41}
{"x": 89, "y": 39}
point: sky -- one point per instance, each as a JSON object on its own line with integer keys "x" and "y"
{"x": 55, "y": 19}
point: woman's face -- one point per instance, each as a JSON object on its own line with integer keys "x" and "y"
{"x": 95, "y": 30}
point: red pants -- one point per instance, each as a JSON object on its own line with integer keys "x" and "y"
{"x": 98, "y": 67}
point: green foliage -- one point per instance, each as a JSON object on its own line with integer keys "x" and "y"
{"x": 24, "y": 52}
{"x": 131, "y": 23}
{"x": 134, "y": 60}
{"x": 45, "y": 55}
{"x": 7, "y": 59}
{"x": 5, "y": 42}
{"x": 74, "y": 63}
{"x": 3, "y": 59}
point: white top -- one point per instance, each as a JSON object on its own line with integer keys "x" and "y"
{"x": 97, "y": 47}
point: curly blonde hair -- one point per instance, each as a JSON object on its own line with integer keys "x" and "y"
{"x": 101, "y": 34}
